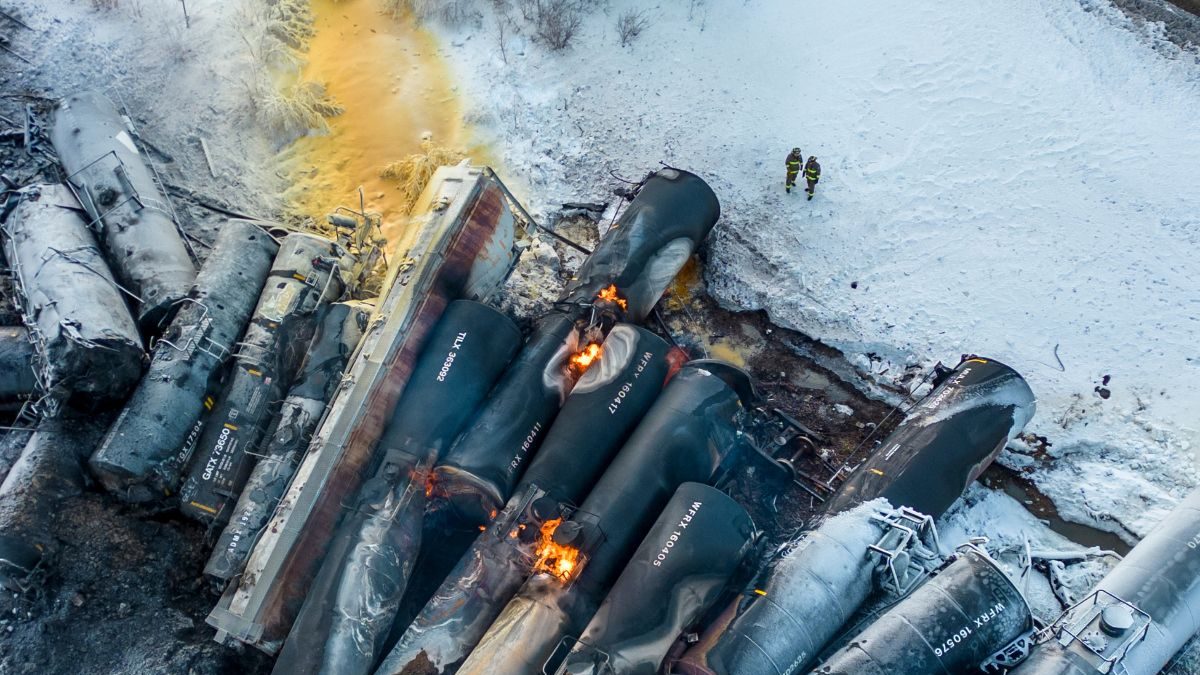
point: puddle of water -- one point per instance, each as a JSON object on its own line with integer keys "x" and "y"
{"x": 998, "y": 477}
{"x": 386, "y": 74}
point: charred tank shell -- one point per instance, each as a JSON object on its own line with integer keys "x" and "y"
{"x": 602, "y": 410}
{"x": 120, "y": 193}
{"x": 49, "y": 471}
{"x": 686, "y": 436}
{"x": 1139, "y": 615}
{"x": 675, "y": 575}
{"x": 945, "y": 442}
{"x": 479, "y": 471}
{"x": 458, "y": 244}
{"x": 139, "y": 458}
{"x": 86, "y": 340}
{"x": 465, "y": 354}
{"x": 819, "y": 581}
{"x": 351, "y": 604}
{"x": 17, "y": 356}
{"x": 813, "y": 586}
{"x": 657, "y": 233}
{"x": 951, "y": 624}
{"x": 338, "y": 334}
{"x": 306, "y": 276}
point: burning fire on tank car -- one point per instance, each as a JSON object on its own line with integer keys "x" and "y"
{"x": 610, "y": 295}
{"x": 560, "y": 560}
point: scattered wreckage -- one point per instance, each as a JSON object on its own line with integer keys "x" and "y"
{"x": 549, "y": 502}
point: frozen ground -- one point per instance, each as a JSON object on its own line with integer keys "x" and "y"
{"x": 1012, "y": 178}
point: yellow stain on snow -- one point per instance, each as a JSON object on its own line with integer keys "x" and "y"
{"x": 386, "y": 74}
{"x": 725, "y": 351}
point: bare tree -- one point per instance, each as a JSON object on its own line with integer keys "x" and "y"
{"x": 557, "y": 22}
{"x": 501, "y": 22}
{"x": 630, "y": 25}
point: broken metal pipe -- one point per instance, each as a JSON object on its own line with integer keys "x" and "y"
{"x": 1139, "y": 615}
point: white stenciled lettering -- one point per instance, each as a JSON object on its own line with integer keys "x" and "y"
{"x": 523, "y": 452}
{"x": 446, "y": 365}
{"x": 947, "y": 389}
{"x": 671, "y": 540}
{"x": 965, "y": 632}
{"x": 211, "y": 465}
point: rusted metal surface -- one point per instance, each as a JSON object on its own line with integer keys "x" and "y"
{"x": 464, "y": 213}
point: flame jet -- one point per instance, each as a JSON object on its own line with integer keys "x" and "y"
{"x": 354, "y": 598}
{"x": 307, "y": 275}
{"x": 1139, "y": 615}
{"x": 815, "y": 583}
{"x": 124, "y": 199}
{"x": 339, "y": 333}
{"x": 85, "y": 338}
{"x": 139, "y": 459}
{"x": 688, "y": 434}
{"x": 604, "y": 407}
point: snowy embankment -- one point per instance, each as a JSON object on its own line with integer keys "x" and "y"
{"x": 1000, "y": 177}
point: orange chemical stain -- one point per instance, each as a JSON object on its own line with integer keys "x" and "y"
{"x": 385, "y": 73}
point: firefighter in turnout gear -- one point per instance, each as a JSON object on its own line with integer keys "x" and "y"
{"x": 812, "y": 174}
{"x": 794, "y": 158}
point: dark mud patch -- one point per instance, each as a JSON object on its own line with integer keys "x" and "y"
{"x": 1013, "y": 484}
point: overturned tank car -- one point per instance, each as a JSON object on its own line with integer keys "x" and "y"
{"x": 814, "y": 584}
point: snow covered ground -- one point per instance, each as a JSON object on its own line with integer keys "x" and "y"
{"x": 1003, "y": 177}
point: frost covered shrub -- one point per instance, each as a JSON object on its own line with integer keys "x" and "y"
{"x": 447, "y": 11}
{"x": 630, "y": 25}
{"x": 291, "y": 21}
{"x": 555, "y": 22}
{"x": 296, "y": 109}
{"x": 412, "y": 173}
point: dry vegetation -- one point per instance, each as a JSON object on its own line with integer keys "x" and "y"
{"x": 296, "y": 108}
{"x": 276, "y": 36}
{"x": 630, "y": 25}
{"x": 412, "y": 173}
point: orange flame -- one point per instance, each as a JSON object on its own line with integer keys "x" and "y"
{"x": 552, "y": 557}
{"x": 610, "y": 295}
{"x": 586, "y": 357}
